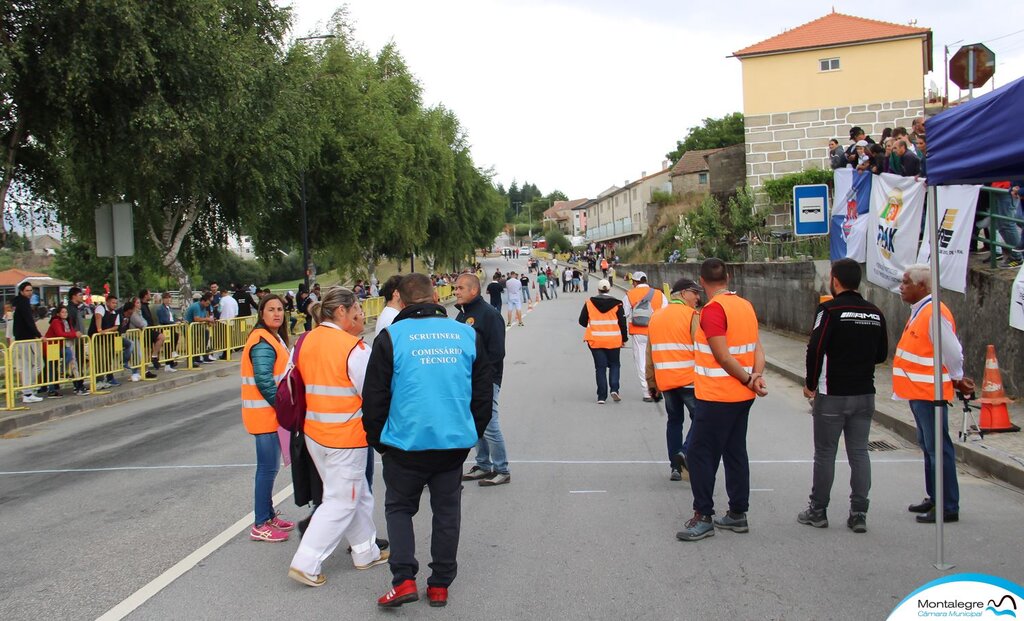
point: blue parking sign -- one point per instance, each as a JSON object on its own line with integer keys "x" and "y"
{"x": 811, "y": 213}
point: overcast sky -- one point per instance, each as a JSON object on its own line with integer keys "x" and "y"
{"x": 579, "y": 95}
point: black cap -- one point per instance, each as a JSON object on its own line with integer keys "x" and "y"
{"x": 685, "y": 284}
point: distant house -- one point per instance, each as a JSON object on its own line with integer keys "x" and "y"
{"x": 44, "y": 244}
{"x": 816, "y": 81}
{"x": 560, "y": 213}
{"x": 622, "y": 214}
{"x": 702, "y": 171}
{"x": 48, "y": 289}
{"x": 242, "y": 246}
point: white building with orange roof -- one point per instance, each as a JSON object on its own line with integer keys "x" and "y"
{"x": 816, "y": 81}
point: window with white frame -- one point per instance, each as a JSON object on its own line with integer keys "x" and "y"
{"x": 828, "y": 64}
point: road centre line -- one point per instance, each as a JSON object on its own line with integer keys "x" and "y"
{"x": 140, "y": 597}
{"x": 554, "y": 462}
{"x": 588, "y": 491}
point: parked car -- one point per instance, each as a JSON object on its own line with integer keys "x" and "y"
{"x": 524, "y": 251}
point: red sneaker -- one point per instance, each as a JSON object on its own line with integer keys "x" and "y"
{"x": 399, "y": 594}
{"x": 279, "y": 524}
{"x": 438, "y": 596}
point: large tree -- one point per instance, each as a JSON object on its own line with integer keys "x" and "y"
{"x": 712, "y": 134}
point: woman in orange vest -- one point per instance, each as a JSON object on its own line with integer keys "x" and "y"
{"x": 605, "y": 322}
{"x": 332, "y": 361}
{"x": 264, "y": 360}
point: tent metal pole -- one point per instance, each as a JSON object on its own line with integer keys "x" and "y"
{"x": 939, "y": 402}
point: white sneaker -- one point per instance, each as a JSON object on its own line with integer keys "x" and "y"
{"x": 30, "y": 399}
{"x": 136, "y": 377}
{"x": 102, "y": 385}
{"x": 170, "y": 369}
{"x": 174, "y": 354}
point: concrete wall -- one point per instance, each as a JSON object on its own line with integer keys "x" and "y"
{"x": 787, "y": 142}
{"x": 879, "y": 71}
{"x": 785, "y": 296}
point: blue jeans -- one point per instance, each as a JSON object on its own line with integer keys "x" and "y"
{"x": 720, "y": 434}
{"x": 606, "y": 366}
{"x": 675, "y": 400}
{"x": 924, "y": 415}
{"x": 490, "y": 450}
{"x": 268, "y": 460}
{"x": 1002, "y": 204}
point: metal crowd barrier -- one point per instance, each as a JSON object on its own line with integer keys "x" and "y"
{"x": 372, "y": 307}
{"x": 44, "y": 363}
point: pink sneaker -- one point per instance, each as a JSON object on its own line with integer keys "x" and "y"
{"x": 279, "y": 524}
{"x": 267, "y": 532}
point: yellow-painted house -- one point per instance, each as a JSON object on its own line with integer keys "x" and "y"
{"x": 816, "y": 81}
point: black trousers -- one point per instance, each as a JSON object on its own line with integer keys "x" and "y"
{"x": 719, "y": 433}
{"x": 402, "y": 502}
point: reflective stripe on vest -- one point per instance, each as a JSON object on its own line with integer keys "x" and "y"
{"x": 334, "y": 415}
{"x": 603, "y": 330}
{"x": 672, "y": 347}
{"x": 913, "y": 365}
{"x": 637, "y": 294}
{"x": 258, "y": 415}
{"x": 713, "y": 383}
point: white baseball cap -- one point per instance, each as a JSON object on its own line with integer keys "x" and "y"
{"x": 604, "y": 285}
{"x": 639, "y": 275}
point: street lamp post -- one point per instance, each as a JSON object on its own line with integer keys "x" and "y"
{"x": 302, "y": 203}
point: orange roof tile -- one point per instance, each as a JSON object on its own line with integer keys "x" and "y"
{"x": 832, "y": 29}
{"x": 555, "y": 212}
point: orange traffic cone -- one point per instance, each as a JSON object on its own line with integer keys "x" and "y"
{"x": 994, "y": 415}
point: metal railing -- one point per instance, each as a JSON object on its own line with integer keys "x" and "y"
{"x": 992, "y": 242}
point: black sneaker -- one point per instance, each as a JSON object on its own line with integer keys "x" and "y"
{"x": 736, "y": 522}
{"x": 857, "y": 522}
{"x": 929, "y": 518}
{"x": 54, "y": 395}
{"x": 150, "y": 375}
{"x": 813, "y": 517}
{"x": 924, "y": 506}
{"x": 476, "y": 473}
{"x": 676, "y": 475}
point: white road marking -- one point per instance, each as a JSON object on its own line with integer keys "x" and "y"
{"x": 588, "y": 491}
{"x": 124, "y": 468}
{"x": 141, "y": 596}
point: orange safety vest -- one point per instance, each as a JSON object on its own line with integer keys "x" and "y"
{"x": 602, "y": 328}
{"x": 712, "y": 382}
{"x": 672, "y": 346}
{"x": 913, "y": 366}
{"x": 258, "y": 416}
{"x": 334, "y": 409}
{"x": 635, "y": 295}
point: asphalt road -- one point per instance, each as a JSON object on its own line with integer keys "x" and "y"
{"x": 103, "y": 503}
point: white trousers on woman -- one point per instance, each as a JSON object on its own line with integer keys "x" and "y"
{"x": 639, "y": 342}
{"x": 346, "y": 512}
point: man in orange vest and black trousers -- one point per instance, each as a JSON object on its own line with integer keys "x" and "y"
{"x": 426, "y": 401}
{"x": 605, "y": 322}
{"x": 639, "y": 304}
{"x": 670, "y": 367}
{"x": 913, "y": 379}
{"x": 728, "y": 376}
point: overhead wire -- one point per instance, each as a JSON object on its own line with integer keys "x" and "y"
{"x": 1003, "y": 36}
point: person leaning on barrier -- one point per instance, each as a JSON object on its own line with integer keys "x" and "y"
{"x": 131, "y": 319}
{"x": 848, "y": 339}
{"x": 333, "y": 366}
{"x": 199, "y": 312}
{"x": 427, "y": 400}
{"x": 105, "y": 321}
{"x": 139, "y": 319}
{"x": 63, "y": 336}
{"x": 28, "y": 355}
{"x": 264, "y": 360}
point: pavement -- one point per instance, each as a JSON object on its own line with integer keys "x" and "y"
{"x": 139, "y": 510}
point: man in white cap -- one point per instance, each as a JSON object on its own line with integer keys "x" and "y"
{"x": 639, "y": 304}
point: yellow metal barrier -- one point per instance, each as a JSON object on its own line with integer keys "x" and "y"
{"x": 238, "y": 332}
{"x": 373, "y": 307}
{"x": 107, "y": 355}
{"x": 667, "y": 289}
{"x": 165, "y": 342}
{"x": 39, "y": 363}
{"x": 5, "y": 360}
{"x": 445, "y": 293}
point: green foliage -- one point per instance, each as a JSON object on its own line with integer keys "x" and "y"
{"x": 780, "y": 191}
{"x": 557, "y": 241}
{"x": 716, "y": 231}
{"x": 714, "y": 133}
{"x": 663, "y": 198}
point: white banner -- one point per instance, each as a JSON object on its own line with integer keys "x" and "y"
{"x": 956, "y": 221}
{"x": 1017, "y": 301}
{"x": 842, "y": 182}
{"x": 895, "y": 227}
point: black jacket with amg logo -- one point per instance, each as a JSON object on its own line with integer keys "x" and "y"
{"x": 847, "y": 341}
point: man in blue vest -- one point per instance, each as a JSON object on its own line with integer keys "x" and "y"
{"x": 427, "y": 399}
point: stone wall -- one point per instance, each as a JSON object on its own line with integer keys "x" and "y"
{"x": 727, "y": 169}
{"x": 786, "y": 142}
{"x": 786, "y": 294}
{"x": 689, "y": 184}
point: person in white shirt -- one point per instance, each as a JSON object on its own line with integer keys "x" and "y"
{"x": 394, "y": 304}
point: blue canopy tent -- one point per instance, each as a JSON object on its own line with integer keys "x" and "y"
{"x": 972, "y": 143}
{"x": 976, "y": 142}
